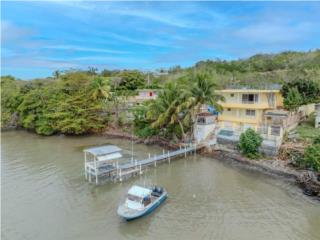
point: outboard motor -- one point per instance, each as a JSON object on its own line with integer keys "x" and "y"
{"x": 159, "y": 190}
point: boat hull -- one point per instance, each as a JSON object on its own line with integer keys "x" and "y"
{"x": 147, "y": 211}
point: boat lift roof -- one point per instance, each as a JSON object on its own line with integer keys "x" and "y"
{"x": 103, "y": 150}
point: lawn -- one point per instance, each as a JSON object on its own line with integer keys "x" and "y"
{"x": 306, "y": 129}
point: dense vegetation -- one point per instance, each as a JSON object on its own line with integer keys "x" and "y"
{"x": 78, "y": 102}
{"x": 173, "y": 113}
{"x": 300, "y": 92}
{"x": 311, "y": 158}
{"x": 259, "y": 70}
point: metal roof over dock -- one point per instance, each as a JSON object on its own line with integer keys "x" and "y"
{"x": 103, "y": 150}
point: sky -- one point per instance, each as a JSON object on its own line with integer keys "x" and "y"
{"x": 38, "y": 38}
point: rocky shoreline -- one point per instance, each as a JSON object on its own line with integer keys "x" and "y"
{"x": 307, "y": 180}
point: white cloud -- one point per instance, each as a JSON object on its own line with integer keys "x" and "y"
{"x": 12, "y": 33}
{"x": 273, "y": 33}
{"x": 24, "y": 61}
{"x": 85, "y": 49}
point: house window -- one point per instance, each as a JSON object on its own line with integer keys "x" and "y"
{"x": 232, "y": 94}
{"x": 201, "y": 120}
{"x": 250, "y": 98}
{"x": 250, "y": 112}
{"x": 229, "y": 109}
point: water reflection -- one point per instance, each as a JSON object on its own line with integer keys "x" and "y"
{"x": 45, "y": 196}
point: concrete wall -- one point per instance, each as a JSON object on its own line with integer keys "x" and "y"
{"x": 203, "y": 131}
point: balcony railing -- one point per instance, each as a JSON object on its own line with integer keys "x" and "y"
{"x": 248, "y": 102}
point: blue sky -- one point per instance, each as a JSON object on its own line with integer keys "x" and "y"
{"x": 40, "y": 37}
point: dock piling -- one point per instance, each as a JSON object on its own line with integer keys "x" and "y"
{"x": 120, "y": 171}
{"x": 185, "y": 151}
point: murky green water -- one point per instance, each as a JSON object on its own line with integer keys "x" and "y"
{"x": 45, "y": 196}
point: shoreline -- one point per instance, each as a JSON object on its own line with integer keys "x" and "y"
{"x": 304, "y": 179}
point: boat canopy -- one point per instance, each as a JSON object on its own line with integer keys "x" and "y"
{"x": 109, "y": 156}
{"x": 139, "y": 191}
{"x": 103, "y": 150}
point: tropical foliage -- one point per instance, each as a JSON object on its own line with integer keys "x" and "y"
{"x": 293, "y": 99}
{"x": 174, "y": 111}
{"x": 303, "y": 90}
{"x": 77, "y": 102}
{"x": 10, "y": 100}
{"x": 311, "y": 157}
{"x": 249, "y": 143}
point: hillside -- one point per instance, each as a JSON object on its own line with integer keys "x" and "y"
{"x": 258, "y": 70}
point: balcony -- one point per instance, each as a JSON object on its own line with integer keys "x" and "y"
{"x": 238, "y": 119}
{"x": 241, "y": 105}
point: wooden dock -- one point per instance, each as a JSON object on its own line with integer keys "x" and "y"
{"x": 119, "y": 172}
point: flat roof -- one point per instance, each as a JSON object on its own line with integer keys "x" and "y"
{"x": 275, "y": 112}
{"x": 248, "y": 91}
{"x": 103, "y": 150}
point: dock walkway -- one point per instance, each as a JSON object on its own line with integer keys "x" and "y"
{"x": 119, "y": 172}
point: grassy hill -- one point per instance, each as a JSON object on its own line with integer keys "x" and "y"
{"x": 256, "y": 71}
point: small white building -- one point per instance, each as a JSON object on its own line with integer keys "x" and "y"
{"x": 146, "y": 94}
{"x": 204, "y": 126}
{"x": 143, "y": 95}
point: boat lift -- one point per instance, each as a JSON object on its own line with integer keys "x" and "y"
{"x": 104, "y": 161}
{"x": 101, "y": 161}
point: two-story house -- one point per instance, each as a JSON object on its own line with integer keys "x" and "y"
{"x": 246, "y": 108}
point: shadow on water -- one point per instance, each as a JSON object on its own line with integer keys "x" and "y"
{"x": 140, "y": 227}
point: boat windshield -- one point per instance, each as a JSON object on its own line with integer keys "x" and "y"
{"x": 134, "y": 198}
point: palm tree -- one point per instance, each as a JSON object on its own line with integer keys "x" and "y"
{"x": 100, "y": 88}
{"x": 201, "y": 92}
{"x": 56, "y": 74}
{"x": 163, "y": 112}
{"x": 179, "y": 103}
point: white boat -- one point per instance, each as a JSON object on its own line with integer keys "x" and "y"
{"x": 141, "y": 201}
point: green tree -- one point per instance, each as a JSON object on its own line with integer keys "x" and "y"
{"x": 100, "y": 88}
{"x": 292, "y": 100}
{"x": 309, "y": 90}
{"x": 10, "y": 100}
{"x": 131, "y": 80}
{"x": 249, "y": 143}
{"x": 70, "y": 105}
{"x": 317, "y": 139}
{"x": 163, "y": 111}
{"x": 142, "y": 125}
{"x": 312, "y": 157}
{"x": 56, "y": 74}
{"x": 202, "y": 91}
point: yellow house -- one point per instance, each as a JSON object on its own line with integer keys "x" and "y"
{"x": 245, "y": 108}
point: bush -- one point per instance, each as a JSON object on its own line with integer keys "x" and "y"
{"x": 312, "y": 157}
{"x": 316, "y": 140}
{"x": 249, "y": 144}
